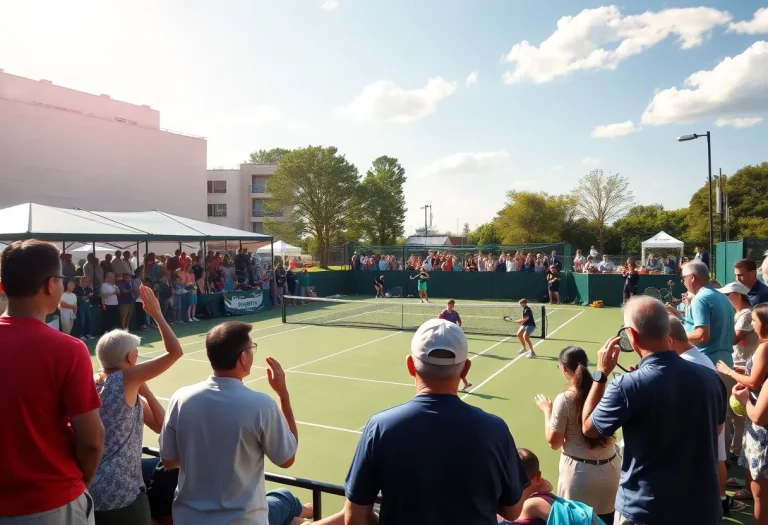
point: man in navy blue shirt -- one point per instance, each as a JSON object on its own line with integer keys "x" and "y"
{"x": 745, "y": 272}
{"x": 671, "y": 412}
{"x": 436, "y": 459}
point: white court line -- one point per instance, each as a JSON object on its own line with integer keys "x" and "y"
{"x": 351, "y": 378}
{"x": 518, "y": 357}
{"x": 316, "y": 425}
{"x": 332, "y": 355}
{"x": 491, "y": 347}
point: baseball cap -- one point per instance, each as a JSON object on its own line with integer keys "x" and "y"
{"x": 439, "y": 334}
{"x": 734, "y": 287}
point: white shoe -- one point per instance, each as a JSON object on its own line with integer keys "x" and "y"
{"x": 195, "y": 319}
{"x": 82, "y": 338}
{"x": 521, "y": 351}
{"x": 190, "y": 320}
{"x": 89, "y": 336}
{"x": 530, "y": 354}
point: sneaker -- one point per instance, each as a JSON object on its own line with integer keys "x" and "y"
{"x": 89, "y": 337}
{"x": 730, "y": 504}
{"x": 82, "y": 338}
{"x": 521, "y": 351}
{"x": 195, "y": 319}
{"x": 190, "y": 320}
{"x": 530, "y": 354}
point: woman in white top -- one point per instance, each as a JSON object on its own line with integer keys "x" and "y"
{"x": 578, "y": 262}
{"x": 68, "y": 308}
{"x": 589, "y": 467}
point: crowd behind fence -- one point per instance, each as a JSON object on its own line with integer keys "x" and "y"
{"x": 508, "y": 258}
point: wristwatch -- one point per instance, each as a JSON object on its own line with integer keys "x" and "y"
{"x": 599, "y": 377}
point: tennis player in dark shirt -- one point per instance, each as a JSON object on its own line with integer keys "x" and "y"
{"x": 527, "y": 326}
{"x": 379, "y": 285}
{"x": 450, "y": 314}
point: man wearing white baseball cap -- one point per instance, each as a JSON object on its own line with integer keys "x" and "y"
{"x": 435, "y": 459}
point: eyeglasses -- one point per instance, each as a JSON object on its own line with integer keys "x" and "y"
{"x": 62, "y": 277}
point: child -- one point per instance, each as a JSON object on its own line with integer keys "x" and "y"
{"x": 537, "y": 497}
{"x": 84, "y": 293}
{"x": 451, "y": 315}
{"x": 527, "y": 326}
{"x": 179, "y": 291}
{"x": 68, "y": 308}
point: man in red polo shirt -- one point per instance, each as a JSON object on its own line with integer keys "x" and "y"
{"x": 51, "y": 436}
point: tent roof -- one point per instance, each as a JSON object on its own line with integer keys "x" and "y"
{"x": 662, "y": 240}
{"x": 279, "y": 247}
{"x": 47, "y": 223}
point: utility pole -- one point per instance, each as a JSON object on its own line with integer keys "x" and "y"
{"x": 426, "y": 224}
{"x": 720, "y": 191}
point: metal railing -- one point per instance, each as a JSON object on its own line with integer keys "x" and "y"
{"x": 318, "y": 488}
{"x": 263, "y": 213}
{"x": 258, "y": 188}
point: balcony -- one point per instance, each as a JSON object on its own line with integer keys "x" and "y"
{"x": 263, "y": 213}
{"x": 259, "y": 190}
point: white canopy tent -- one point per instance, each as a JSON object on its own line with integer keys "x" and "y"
{"x": 83, "y": 251}
{"x": 663, "y": 241}
{"x": 281, "y": 248}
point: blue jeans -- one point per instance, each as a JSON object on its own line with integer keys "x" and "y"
{"x": 84, "y": 319}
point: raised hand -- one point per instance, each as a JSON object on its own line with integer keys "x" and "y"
{"x": 276, "y": 377}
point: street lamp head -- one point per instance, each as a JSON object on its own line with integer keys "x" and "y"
{"x": 685, "y": 138}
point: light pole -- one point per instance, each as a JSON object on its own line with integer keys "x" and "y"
{"x": 685, "y": 138}
{"x": 426, "y": 228}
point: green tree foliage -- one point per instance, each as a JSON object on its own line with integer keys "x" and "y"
{"x": 382, "y": 202}
{"x": 643, "y": 222}
{"x": 603, "y": 199}
{"x": 465, "y": 230}
{"x": 268, "y": 156}
{"x": 487, "y": 233}
{"x": 747, "y": 190}
{"x": 318, "y": 189}
{"x": 530, "y": 217}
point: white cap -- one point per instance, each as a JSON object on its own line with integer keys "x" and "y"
{"x": 734, "y": 287}
{"x": 439, "y": 334}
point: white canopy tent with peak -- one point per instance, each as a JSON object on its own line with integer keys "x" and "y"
{"x": 281, "y": 248}
{"x": 664, "y": 241}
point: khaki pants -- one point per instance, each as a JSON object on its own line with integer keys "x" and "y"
{"x": 78, "y": 512}
{"x": 734, "y": 430}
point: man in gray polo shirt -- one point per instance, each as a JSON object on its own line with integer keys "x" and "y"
{"x": 217, "y": 433}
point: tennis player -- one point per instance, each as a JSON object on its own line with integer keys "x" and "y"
{"x": 422, "y": 276}
{"x": 450, "y": 314}
{"x": 379, "y": 285}
{"x": 527, "y": 326}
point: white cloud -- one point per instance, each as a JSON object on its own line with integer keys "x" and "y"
{"x": 555, "y": 169}
{"x": 601, "y": 38}
{"x": 615, "y": 130}
{"x": 756, "y": 26}
{"x": 736, "y": 86}
{"x": 591, "y": 161}
{"x": 330, "y": 4}
{"x": 738, "y": 123}
{"x": 472, "y": 79}
{"x": 385, "y": 101}
{"x": 470, "y": 163}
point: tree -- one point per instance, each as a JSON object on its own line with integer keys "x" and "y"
{"x": 382, "y": 202}
{"x": 643, "y": 222}
{"x": 485, "y": 234}
{"x": 530, "y": 217}
{"x": 746, "y": 191}
{"x": 318, "y": 189}
{"x": 268, "y": 156}
{"x": 602, "y": 200}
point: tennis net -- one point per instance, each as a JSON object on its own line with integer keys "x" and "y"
{"x": 484, "y": 319}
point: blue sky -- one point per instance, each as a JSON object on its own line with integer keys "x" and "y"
{"x": 390, "y": 78}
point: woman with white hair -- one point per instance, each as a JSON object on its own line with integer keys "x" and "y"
{"x": 127, "y": 405}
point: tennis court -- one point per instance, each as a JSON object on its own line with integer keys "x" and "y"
{"x": 339, "y": 376}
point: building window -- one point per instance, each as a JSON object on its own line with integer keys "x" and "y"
{"x": 217, "y": 186}
{"x": 217, "y": 210}
{"x": 258, "y": 227}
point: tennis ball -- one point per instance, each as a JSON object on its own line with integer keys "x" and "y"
{"x": 738, "y": 409}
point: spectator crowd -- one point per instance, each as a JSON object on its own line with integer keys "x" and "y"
{"x": 71, "y": 442}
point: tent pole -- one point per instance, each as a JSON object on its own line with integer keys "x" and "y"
{"x": 179, "y": 245}
{"x": 241, "y": 246}
{"x": 225, "y": 246}
{"x": 205, "y": 266}
{"x": 273, "y": 283}
{"x": 93, "y": 276}
{"x": 63, "y": 246}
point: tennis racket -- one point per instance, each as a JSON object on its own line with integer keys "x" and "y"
{"x": 509, "y": 319}
{"x": 397, "y": 291}
{"x": 666, "y": 296}
{"x": 652, "y": 292}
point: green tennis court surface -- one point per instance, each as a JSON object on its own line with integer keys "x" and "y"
{"x": 339, "y": 376}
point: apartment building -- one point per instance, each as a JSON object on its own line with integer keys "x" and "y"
{"x": 71, "y": 149}
{"x": 237, "y": 197}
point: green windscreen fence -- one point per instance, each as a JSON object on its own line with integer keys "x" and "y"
{"x": 726, "y": 254}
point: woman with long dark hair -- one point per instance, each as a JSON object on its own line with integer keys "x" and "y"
{"x": 631, "y": 277}
{"x": 589, "y": 467}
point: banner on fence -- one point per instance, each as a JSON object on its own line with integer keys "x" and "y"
{"x": 244, "y": 303}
